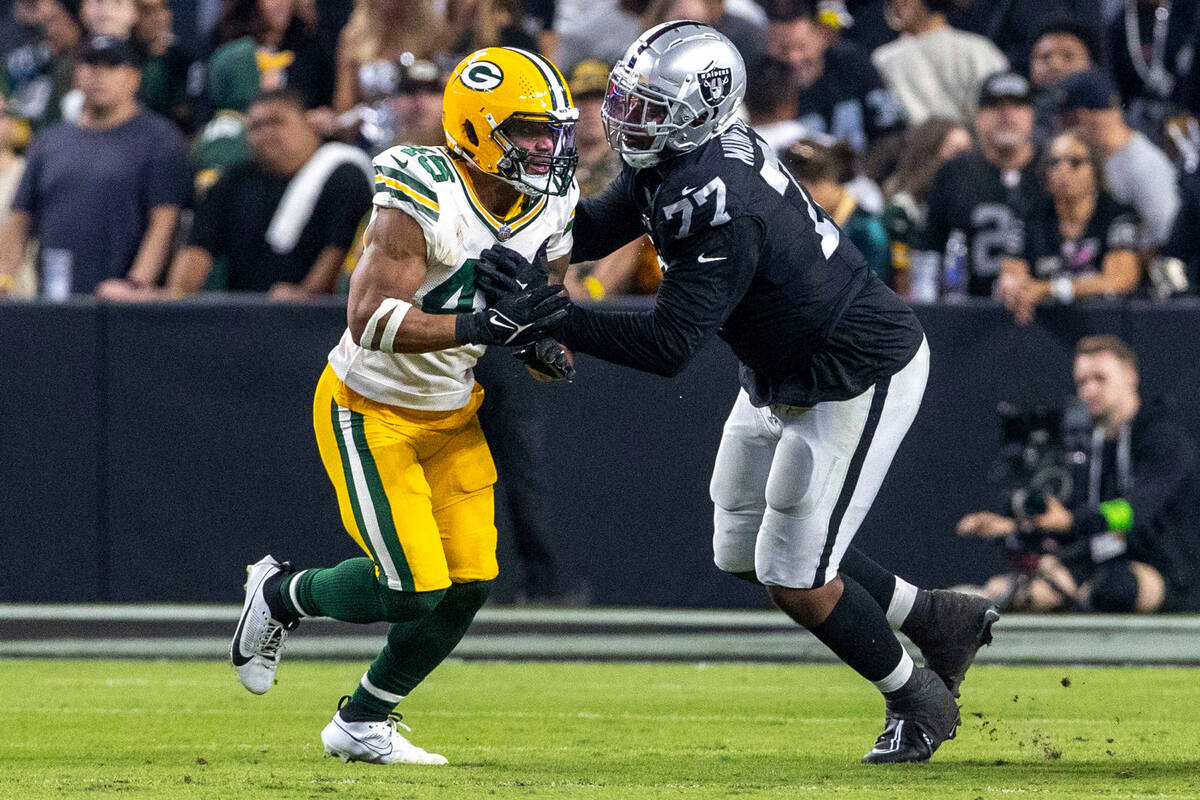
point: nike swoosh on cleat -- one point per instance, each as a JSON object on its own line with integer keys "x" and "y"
{"x": 367, "y": 743}
{"x": 234, "y": 653}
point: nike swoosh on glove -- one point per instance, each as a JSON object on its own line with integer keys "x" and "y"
{"x": 514, "y": 319}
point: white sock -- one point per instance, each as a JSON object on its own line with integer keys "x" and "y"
{"x": 903, "y": 597}
{"x": 897, "y": 677}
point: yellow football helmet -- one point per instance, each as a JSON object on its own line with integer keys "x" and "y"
{"x": 510, "y": 113}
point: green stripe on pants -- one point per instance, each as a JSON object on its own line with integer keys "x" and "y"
{"x": 379, "y": 501}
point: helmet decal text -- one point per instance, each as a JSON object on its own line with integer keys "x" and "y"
{"x": 715, "y": 85}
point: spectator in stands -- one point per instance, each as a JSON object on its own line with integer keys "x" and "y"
{"x": 102, "y": 196}
{"x": 633, "y": 269}
{"x": 833, "y": 87}
{"x": 418, "y": 105}
{"x": 40, "y": 74}
{"x": 19, "y": 25}
{"x": 599, "y": 164}
{"x": 488, "y": 24}
{"x": 379, "y": 40}
{"x": 933, "y": 69}
{"x": 169, "y": 64}
{"x": 1063, "y": 48}
{"x": 594, "y": 29}
{"x": 771, "y": 104}
{"x": 115, "y": 18}
{"x": 825, "y": 166}
{"x": 1079, "y": 242}
{"x": 1014, "y": 25}
{"x": 982, "y": 195}
{"x": 282, "y": 221}
{"x": 1153, "y": 45}
{"x": 749, "y": 37}
{"x": 919, "y": 153}
{"x": 1137, "y": 172}
{"x": 1127, "y": 540}
{"x": 267, "y": 44}
{"x": 23, "y": 283}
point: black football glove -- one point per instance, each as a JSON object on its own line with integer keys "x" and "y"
{"x": 548, "y": 359}
{"x": 514, "y": 319}
{"x": 502, "y": 270}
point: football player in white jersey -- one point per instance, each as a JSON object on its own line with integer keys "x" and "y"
{"x": 395, "y": 410}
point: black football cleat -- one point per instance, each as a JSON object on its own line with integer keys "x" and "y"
{"x": 918, "y": 720}
{"x": 951, "y": 633}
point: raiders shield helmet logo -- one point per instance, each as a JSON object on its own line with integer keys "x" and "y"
{"x": 715, "y": 85}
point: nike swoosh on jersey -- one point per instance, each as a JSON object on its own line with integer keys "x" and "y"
{"x": 703, "y": 259}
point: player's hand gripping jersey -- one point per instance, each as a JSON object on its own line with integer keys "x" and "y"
{"x": 433, "y": 188}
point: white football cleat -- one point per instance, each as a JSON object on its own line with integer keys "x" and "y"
{"x": 259, "y": 637}
{"x": 373, "y": 742}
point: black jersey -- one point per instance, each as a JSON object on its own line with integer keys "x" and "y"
{"x": 850, "y": 101}
{"x": 1112, "y": 226}
{"x": 749, "y": 256}
{"x": 971, "y": 195}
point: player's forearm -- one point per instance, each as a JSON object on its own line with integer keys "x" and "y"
{"x": 604, "y": 224}
{"x": 638, "y": 339}
{"x": 391, "y": 325}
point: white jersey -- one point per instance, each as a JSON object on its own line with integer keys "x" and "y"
{"x": 433, "y": 188}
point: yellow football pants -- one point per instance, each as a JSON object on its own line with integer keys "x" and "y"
{"x": 414, "y": 487}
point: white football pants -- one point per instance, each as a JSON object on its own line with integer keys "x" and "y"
{"x": 791, "y": 485}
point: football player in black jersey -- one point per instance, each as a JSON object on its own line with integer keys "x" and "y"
{"x": 833, "y": 366}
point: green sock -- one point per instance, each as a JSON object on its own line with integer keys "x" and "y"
{"x": 351, "y": 592}
{"x": 415, "y": 648}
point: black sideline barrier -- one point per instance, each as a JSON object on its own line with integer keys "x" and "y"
{"x": 149, "y": 452}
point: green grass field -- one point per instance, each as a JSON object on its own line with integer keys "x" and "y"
{"x": 580, "y": 730}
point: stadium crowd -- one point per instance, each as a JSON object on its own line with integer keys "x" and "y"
{"x": 1028, "y": 152}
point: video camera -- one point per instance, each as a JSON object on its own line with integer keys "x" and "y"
{"x": 1044, "y": 452}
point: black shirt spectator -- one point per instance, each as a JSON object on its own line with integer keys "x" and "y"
{"x": 1112, "y": 226}
{"x": 985, "y": 193}
{"x": 1013, "y": 26}
{"x": 1153, "y": 46}
{"x": 837, "y": 91}
{"x": 849, "y": 101}
{"x": 233, "y": 218}
{"x": 986, "y": 203}
{"x": 1063, "y": 48}
{"x": 283, "y": 222}
{"x": 1080, "y": 242}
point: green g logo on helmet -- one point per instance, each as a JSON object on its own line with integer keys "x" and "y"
{"x": 482, "y": 76}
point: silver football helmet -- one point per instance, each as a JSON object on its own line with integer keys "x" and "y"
{"x": 676, "y": 87}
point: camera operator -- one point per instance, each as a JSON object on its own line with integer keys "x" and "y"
{"x": 1131, "y": 539}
